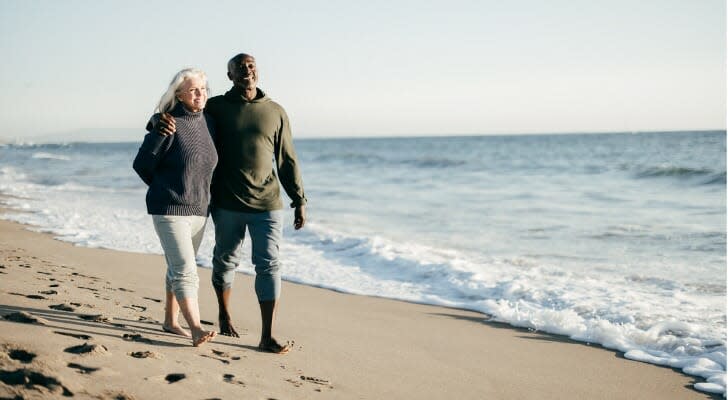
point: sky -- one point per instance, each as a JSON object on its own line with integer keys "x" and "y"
{"x": 95, "y": 69}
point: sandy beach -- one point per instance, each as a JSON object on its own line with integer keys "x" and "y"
{"x": 85, "y": 323}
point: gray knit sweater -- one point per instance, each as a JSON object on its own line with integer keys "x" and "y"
{"x": 178, "y": 168}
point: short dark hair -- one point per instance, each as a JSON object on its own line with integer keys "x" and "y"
{"x": 236, "y": 59}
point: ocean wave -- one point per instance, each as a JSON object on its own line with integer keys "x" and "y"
{"x": 50, "y": 156}
{"x": 11, "y": 174}
{"x": 14, "y": 182}
{"x": 429, "y": 162}
{"x": 357, "y": 158}
{"x": 374, "y": 159}
{"x": 709, "y": 176}
{"x": 666, "y": 170}
{"x": 716, "y": 179}
{"x": 20, "y": 144}
{"x": 689, "y": 174}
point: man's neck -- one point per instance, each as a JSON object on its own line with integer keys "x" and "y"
{"x": 250, "y": 93}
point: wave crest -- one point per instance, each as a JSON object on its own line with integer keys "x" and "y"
{"x": 50, "y": 156}
{"x": 705, "y": 176}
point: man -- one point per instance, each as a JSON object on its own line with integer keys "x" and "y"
{"x": 250, "y": 132}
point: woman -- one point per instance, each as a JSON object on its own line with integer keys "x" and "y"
{"x": 178, "y": 169}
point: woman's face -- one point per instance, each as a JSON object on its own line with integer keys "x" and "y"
{"x": 193, "y": 94}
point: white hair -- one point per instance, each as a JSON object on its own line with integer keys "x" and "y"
{"x": 169, "y": 98}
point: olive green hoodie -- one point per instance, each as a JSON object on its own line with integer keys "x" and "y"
{"x": 250, "y": 135}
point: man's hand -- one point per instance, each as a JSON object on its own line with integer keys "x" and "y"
{"x": 167, "y": 125}
{"x": 299, "y": 217}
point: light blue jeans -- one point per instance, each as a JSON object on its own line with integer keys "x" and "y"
{"x": 180, "y": 237}
{"x": 265, "y": 229}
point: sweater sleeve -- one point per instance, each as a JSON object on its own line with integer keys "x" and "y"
{"x": 151, "y": 151}
{"x": 287, "y": 164}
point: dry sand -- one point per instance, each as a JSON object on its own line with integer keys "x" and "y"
{"x": 97, "y": 334}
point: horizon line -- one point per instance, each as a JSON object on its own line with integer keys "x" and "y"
{"x": 49, "y": 140}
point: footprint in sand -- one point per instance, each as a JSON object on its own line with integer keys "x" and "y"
{"x": 220, "y": 353}
{"x": 224, "y": 354}
{"x": 48, "y": 292}
{"x": 62, "y": 307}
{"x": 74, "y": 335}
{"x": 82, "y": 369}
{"x": 172, "y": 378}
{"x": 145, "y": 354}
{"x": 25, "y": 318}
{"x": 29, "y": 378}
{"x": 96, "y": 318}
{"x": 147, "y": 319}
{"x": 312, "y": 379}
{"x": 221, "y": 356}
{"x": 135, "y": 337}
{"x": 222, "y": 360}
{"x": 294, "y": 382}
{"x": 87, "y": 349}
{"x": 152, "y": 299}
{"x": 21, "y": 355}
{"x": 118, "y": 396}
{"x": 230, "y": 378}
{"x": 36, "y": 297}
{"x": 317, "y": 381}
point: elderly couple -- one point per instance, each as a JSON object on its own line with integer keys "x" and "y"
{"x": 240, "y": 136}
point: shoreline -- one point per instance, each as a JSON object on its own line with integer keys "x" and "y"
{"x": 346, "y": 346}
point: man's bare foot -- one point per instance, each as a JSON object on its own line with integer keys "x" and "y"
{"x": 272, "y": 346}
{"x": 175, "y": 329}
{"x": 204, "y": 337}
{"x": 227, "y": 329}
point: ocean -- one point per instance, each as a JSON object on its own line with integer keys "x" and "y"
{"x": 611, "y": 239}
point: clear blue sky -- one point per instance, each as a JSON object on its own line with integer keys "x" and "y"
{"x": 72, "y": 69}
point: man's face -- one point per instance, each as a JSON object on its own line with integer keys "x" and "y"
{"x": 243, "y": 73}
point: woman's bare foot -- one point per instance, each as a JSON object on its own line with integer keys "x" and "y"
{"x": 176, "y": 329}
{"x": 203, "y": 337}
{"x": 272, "y": 346}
